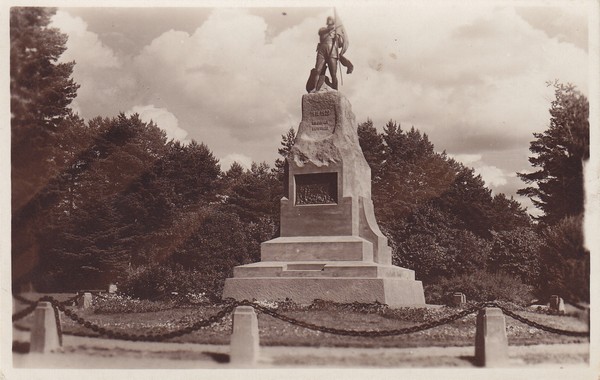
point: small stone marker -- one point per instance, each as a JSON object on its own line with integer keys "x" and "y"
{"x": 112, "y": 288}
{"x": 85, "y": 301}
{"x": 491, "y": 343}
{"x": 245, "y": 339}
{"x": 44, "y": 335}
{"x": 458, "y": 299}
{"x": 557, "y": 304}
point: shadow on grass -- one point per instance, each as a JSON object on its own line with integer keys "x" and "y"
{"x": 470, "y": 359}
{"x": 20, "y": 347}
{"x": 218, "y": 357}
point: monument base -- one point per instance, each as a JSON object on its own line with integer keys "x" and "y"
{"x": 343, "y": 282}
{"x": 330, "y": 246}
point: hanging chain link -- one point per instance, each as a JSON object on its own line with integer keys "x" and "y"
{"x": 365, "y": 333}
{"x": 580, "y": 334}
{"x": 25, "y": 312}
{"x": 23, "y": 300}
{"x": 228, "y": 308}
{"x": 148, "y": 337}
{"x": 58, "y": 324}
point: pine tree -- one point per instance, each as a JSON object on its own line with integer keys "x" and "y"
{"x": 559, "y": 153}
{"x": 373, "y": 148}
{"x": 41, "y": 91}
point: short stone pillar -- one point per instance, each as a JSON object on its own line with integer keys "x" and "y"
{"x": 491, "y": 343}
{"x": 112, "y": 288}
{"x": 85, "y": 301}
{"x": 244, "y": 339}
{"x": 459, "y": 299}
{"x": 44, "y": 334}
{"x": 557, "y": 304}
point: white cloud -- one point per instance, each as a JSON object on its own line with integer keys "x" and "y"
{"x": 470, "y": 76}
{"x": 241, "y": 159}
{"x": 103, "y": 77}
{"x": 226, "y": 83}
{"x": 466, "y": 159}
{"x": 83, "y": 46}
{"x": 164, "y": 119}
{"x": 492, "y": 175}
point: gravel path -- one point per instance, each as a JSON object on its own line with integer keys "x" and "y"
{"x": 79, "y": 352}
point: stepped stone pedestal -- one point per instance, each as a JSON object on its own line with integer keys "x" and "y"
{"x": 330, "y": 246}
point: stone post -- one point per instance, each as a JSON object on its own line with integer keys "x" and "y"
{"x": 557, "y": 304}
{"x": 85, "y": 301}
{"x": 44, "y": 334}
{"x": 244, "y": 339}
{"x": 112, "y": 289}
{"x": 458, "y": 299}
{"x": 491, "y": 343}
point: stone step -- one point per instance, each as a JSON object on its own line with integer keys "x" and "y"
{"x": 317, "y": 248}
{"x": 358, "y": 269}
{"x": 395, "y": 292}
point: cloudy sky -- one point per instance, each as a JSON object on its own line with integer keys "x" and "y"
{"x": 472, "y": 75}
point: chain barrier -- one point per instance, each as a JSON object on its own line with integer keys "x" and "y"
{"x": 33, "y": 304}
{"x": 228, "y": 308}
{"x": 73, "y": 299}
{"x": 58, "y": 323}
{"x": 146, "y": 337}
{"x": 29, "y": 302}
{"x": 579, "y": 334}
{"x": 23, "y": 300}
{"x": 25, "y": 312}
{"x": 366, "y": 333}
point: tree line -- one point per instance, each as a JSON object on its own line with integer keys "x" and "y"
{"x": 112, "y": 199}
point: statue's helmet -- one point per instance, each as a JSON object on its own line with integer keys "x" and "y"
{"x": 330, "y": 20}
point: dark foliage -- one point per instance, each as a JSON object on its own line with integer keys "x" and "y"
{"x": 41, "y": 90}
{"x": 559, "y": 153}
{"x": 112, "y": 199}
{"x": 565, "y": 261}
{"x": 479, "y": 286}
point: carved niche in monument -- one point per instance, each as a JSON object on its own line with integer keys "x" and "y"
{"x": 330, "y": 246}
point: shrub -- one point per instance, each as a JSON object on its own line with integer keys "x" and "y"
{"x": 480, "y": 286}
{"x": 565, "y": 262}
{"x": 117, "y": 304}
{"x": 155, "y": 281}
{"x": 516, "y": 252}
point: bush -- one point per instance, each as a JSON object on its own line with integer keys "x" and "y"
{"x": 516, "y": 252}
{"x": 118, "y": 304}
{"x": 565, "y": 262}
{"x": 480, "y": 286}
{"x": 155, "y": 281}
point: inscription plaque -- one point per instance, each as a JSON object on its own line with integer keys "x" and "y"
{"x": 321, "y": 122}
{"x": 316, "y": 189}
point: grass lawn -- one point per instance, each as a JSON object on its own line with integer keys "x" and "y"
{"x": 274, "y": 332}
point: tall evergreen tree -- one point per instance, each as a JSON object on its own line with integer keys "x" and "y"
{"x": 469, "y": 200}
{"x": 558, "y": 153}
{"x": 41, "y": 91}
{"x": 287, "y": 142}
{"x": 373, "y": 148}
{"x": 281, "y": 164}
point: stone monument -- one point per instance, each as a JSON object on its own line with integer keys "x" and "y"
{"x": 330, "y": 246}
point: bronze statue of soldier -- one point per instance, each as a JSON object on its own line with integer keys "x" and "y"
{"x": 328, "y": 54}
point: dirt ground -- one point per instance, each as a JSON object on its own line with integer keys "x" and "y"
{"x": 79, "y": 352}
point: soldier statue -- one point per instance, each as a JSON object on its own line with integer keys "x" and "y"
{"x": 331, "y": 39}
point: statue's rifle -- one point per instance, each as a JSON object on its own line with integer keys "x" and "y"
{"x": 335, "y": 17}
